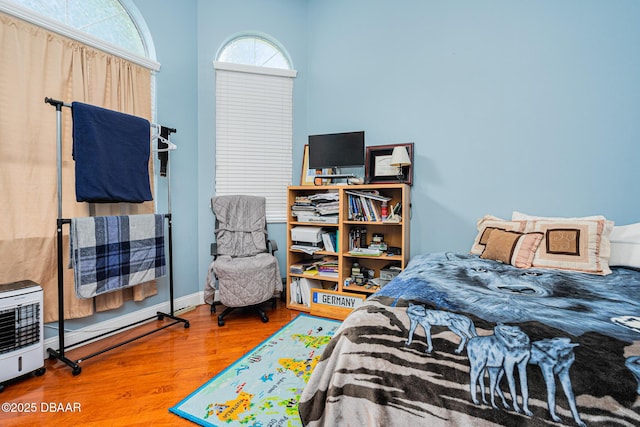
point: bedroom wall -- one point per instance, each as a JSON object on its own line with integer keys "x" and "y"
{"x": 218, "y": 21}
{"x": 175, "y": 38}
{"x": 186, "y": 91}
{"x": 512, "y": 105}
{"x": 522, "y": 105}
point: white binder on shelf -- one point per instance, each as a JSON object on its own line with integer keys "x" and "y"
{"x": 301, "y": 290}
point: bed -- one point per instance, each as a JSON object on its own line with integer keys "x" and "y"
{"x": 455, "y": 336}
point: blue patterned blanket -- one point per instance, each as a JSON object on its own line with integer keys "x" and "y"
{"x": 456, "y": 340}
{"x": 114, "y": 252}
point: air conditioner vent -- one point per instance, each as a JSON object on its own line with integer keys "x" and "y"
{"x": 21, "y": 330}
{"x": 19, "y": 327}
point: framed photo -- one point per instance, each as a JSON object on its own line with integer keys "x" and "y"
{"x": 308, "y": 176}
{"x": 378, "y": 167}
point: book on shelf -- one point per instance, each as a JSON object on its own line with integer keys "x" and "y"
{"x": 314, "y": 217}
{"x": 373, "y": 194}
{"x": 329, "y": 239}
{"x": 326, "y": 265}
{"x": 301, "y": 288}
{"x": 308, "y": 249}
{"x": 300, "y": 267}
{"x": 363, "y": 209}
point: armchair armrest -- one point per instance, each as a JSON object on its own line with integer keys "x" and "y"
{"x": 214, "y": 250}
{"x": 273, "y": 244}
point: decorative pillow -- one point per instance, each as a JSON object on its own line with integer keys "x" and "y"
{"x": 511, "y": 247}
{"x": 573, "y": 244}
{"x": 625, "y": 246}
{"x": 487, "y": 224}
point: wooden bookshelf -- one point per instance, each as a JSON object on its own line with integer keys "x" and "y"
{"x": 396, "y": 235}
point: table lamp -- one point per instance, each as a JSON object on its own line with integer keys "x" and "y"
{"x": 400, "y": 158}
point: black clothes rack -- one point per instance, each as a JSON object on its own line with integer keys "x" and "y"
{"x": 60, "y": 352}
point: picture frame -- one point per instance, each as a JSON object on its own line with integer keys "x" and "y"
{"x": 308, "y": 176}
{"x": 377, "y": 167}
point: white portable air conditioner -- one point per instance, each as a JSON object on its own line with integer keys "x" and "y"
{"x": 21, "y": 335}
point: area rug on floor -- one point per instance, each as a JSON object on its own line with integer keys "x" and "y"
{"x": 263, "y": 387}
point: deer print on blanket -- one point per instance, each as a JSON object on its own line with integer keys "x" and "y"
{"x": 459, "y": 324}
{"x": 504, "y": 351}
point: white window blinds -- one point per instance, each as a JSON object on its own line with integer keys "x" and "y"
{"x": 254, "y": 134}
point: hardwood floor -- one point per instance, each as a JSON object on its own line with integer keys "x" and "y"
{"x": 135, "y": 384}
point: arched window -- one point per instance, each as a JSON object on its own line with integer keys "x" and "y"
{"x": 254, "y": 121}
{"x": 254, "y": 50}
{"x": 38, "y": 59}
{"x": 114, "y": 26}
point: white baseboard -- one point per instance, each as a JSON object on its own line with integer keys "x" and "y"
{"x": 181, "y": 304}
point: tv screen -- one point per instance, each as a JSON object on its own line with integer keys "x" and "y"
{"x": 336, "y": 150}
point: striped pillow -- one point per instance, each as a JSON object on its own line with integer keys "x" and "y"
{"x": 577, "y": 245}
{"x": 487, "y": 224}
{"x": 512, "y": 247}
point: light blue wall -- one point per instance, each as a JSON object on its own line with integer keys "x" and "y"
{"x": 512, "y": 105}
{"x": 218, "y": 20}
{"x": 175, "y": 38}
{"x": 187, "y": 36}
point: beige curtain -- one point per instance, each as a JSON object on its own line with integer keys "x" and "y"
{"x": 34, "y": 64}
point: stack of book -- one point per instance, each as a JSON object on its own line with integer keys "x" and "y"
{"x": 323, "y": 267}
{"x": 328, "y": 268}
{"x": 319, "y": 207}
{"x": 365, "y": 205}
{"x": 304, "y": 267}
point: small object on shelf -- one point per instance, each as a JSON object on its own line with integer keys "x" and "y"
{"x": 394, "y": 250}
{"x": 389, "y": 272}
{"x": 365, "y": 252}
{"x": 378, "y": 282}
{"x": 310, "y": 236}
{"x": 355, "y": 269}
{"x": 357, "y": 237}
{"x": 377, "y": 242}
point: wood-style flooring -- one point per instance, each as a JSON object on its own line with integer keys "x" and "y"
{"x": 134, "y": 385}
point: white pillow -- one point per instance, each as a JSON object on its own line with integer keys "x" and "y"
{"x": 519, "y": 216}
{"x": 625, "y": 245}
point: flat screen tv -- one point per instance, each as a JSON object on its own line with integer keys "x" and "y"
{"x": 336, "y": 150}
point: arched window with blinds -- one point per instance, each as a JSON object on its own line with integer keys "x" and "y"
{"x": 254, "y": 125}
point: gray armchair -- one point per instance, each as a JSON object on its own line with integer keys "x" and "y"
{"x": 244, "y": 265}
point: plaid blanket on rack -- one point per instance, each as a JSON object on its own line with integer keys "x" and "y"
{"x": 114, "y": 252}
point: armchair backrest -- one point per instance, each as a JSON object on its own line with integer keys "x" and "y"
{"x": 241, "y": 225}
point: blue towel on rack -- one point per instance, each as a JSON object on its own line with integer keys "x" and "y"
{"x": 111, "y": 152}
{"x": 114, "y": 252}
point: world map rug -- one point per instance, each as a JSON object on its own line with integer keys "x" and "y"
{"x": 263, "y": 387}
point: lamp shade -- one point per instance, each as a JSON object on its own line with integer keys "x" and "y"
{"x": 400, "y": 157}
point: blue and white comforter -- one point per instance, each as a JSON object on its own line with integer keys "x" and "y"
{"x": 453, "y": 338}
